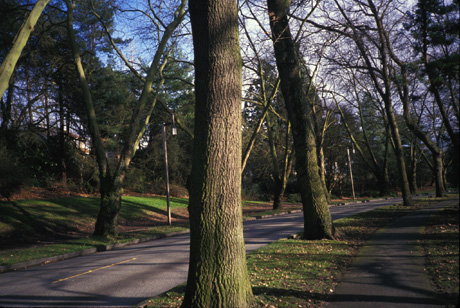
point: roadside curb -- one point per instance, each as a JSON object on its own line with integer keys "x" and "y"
{"x": 271, "y": 215}
{"x": 377, "y": 199}
{"x": 52, "y": 259}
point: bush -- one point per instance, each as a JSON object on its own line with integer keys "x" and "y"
{"x": 135, "y": 180}
{"x": 294, "y": 198}
{"x": 11, "y": 172}
{"x": 251, "y": 192}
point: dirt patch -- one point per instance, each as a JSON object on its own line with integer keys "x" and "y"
{"x": 45, "y": 193}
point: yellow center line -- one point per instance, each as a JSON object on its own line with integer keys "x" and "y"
{"x": 92, "y": 271}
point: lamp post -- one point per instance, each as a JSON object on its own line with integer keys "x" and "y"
{"x": 351, "y": 174}
{"x": 165, "y": 149}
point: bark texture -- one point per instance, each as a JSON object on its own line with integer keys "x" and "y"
{"x": 318, "y": 223}
{"x": 217, "y": 273}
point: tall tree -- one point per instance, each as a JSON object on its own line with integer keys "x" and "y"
{"x": 364, "y": 24}
{"x": 294, "y": 86}
{"x": 264, "y": 94}
{"x": 436, "y": 152}
{"x": 112, "y": 177}
{"x": 434, "y": 25}
{"x": 217, "y": 274}
{"x": 371, "y": 118}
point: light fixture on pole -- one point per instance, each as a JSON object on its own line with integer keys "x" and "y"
{"x": 173, "y": 128}
{"x": 351, "y": 173}
{"x": 165, "y": 149}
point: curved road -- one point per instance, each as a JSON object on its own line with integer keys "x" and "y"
{"x": 130, "y": 275}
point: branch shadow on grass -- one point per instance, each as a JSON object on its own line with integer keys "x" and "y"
{"x": 293, "y": 295}
{"x": 145, "y": 207}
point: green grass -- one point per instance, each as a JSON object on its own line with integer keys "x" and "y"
{"x": 34, "y": 237}
{"x": 67, "y": 212}
{"x": 298, "y": 273}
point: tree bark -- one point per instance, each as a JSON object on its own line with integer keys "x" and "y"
{"x": 107, "y": 219}
{"x": 320, "y": 135}
{"x": 217, "y": 274}
{"x": 317, "y": 218}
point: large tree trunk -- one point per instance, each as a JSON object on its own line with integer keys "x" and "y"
{"x": 439, "y": 174}
{"x": 384, "y": 185}
{"x": 217, "y": 274}
{"x": 317, "y": 218}
{"x": 413, "y": 170}
{"x": 322, "y": 173}
{"x": 404, "y": 182}
{"x": 107, "y": 218}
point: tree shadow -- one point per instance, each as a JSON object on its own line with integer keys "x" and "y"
{"x": 137, "y": 209}
{"x": 301, "y": 296}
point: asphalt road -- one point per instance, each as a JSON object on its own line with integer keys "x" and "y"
{"x": 127, "y": 276}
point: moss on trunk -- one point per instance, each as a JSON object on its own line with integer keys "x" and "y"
{"x": 217, "y": 272}
{"x": 294, "y": 86}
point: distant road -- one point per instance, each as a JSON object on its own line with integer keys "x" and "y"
{"x": 127, "y": 276}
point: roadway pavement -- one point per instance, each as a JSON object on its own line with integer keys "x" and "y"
{"x": 127, "y": 276}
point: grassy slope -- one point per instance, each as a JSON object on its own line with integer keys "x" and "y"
{"x": 63, "y": 225}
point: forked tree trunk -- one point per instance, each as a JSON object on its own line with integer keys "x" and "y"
{"x": 317, "y": 218}
{"x": 107, "y": 218}
{"x": 217, "y": 274}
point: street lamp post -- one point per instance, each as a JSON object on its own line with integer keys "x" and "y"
{"x": 351, "y": 174}
{"x": 165, "y": 149}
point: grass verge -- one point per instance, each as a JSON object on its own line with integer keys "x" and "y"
{"x": 297, "y": 273}
{"x": 441, "y": 246}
